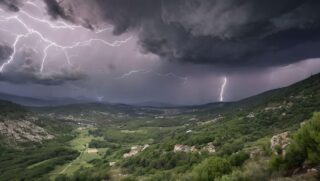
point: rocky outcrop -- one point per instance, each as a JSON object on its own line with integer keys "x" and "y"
{"x": 251, "y": 115}
{"x": 280, "y": 141}
{"x": 135, "y": 150}
{"x": 184, "y": 148}
{"x": 210, "y": 148}
{"x": 23, "y": 131}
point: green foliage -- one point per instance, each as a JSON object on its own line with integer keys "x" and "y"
{"x": 239, "y": 158}
{"x": 211, "y": 169}
{"x": 308, "y": 138}
{"x": 304, "y": 147}
{"x": 151, "y": 160}
{"x": 88, "y": 175}
{"x": 252, "y": 171}
{"x": 102, "y": 144}
{"x": 168, "y": 176}
{"x": 96, "y": 132}
{"x": 11, "y": 110}
{"x": 33, "y": 163}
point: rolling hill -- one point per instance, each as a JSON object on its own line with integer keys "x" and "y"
{"x": 92, "y": 141}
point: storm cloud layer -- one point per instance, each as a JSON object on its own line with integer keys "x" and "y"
{"x": 172, "y": 51}
{"x": 11, "y": 5}
{"x": 5, "y": 52}
{"x": 230, "y": 33}
{"x": 26, "y": 70}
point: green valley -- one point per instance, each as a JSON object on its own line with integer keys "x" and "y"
{"x": 271, "y": 136}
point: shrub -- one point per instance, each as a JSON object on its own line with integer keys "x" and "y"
{"x": 304, "y": 147}
{"x": 211, "y": 169}
{"x": 239, "y": 158}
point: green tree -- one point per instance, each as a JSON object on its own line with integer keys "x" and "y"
{"x": 211, "y": 169}
{"x": 304, "y": 147}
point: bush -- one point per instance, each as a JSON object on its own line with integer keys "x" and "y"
{"x": 239, "y": 158}
{"x": 304, "y": 147}
{"x": 211, "y": 168}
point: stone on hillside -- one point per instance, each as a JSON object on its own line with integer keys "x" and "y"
{"x": 184, "y": 148}
{"x": 251, "y": 115}
{"x": 281, "y": 140}
{"x": 135, "y": 150}
{"x": 23, "y": 131}
{"x": 210, "y": 148}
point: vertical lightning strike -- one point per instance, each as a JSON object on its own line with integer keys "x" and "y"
{"x": 45, "y": 54}
{"x": 225, "y": 81}
{"x": 51, "y": 43}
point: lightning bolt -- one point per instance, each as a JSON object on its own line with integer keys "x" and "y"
{"x": 167, "y": 75}
{"x": 225, "y": 81}
{"x": 51, "y": 43}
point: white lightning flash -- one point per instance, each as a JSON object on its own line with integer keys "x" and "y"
{"x": 167, "y": 75}
{"x": 51, "y": 43}
{"x": 223, "y": 86}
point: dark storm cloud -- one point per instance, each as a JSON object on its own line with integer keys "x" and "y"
{"x": 228, "y": 33}
{"x": 5, "y": 52}
{"x": 11, "y": 5}
{"x": 55, "y": 10}
{"x": 28, "y": 74}
{"x": 26, "y": 70}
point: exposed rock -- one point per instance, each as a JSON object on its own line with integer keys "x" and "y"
{"x": 281, "y": 140}
{"x": 251, "y": 115}
{"x": 210, "y": 148}
{"x": 189, "y": 131}
{"x": 183, "y": 148}
{"x": 135, "y": 150}
{"x": 23, "y": 131}
{"x": 111, "y": 164}
{"x": 193, "y": 119}
{"x": 273, "y": 108}
{"x": 312, "y": 170}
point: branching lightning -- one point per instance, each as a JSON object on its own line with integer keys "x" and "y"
{"x": 51, "y": 43}
{"x": 168, "y": 75}
{"x": 225, "y": 81}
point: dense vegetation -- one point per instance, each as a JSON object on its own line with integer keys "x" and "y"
{"x": 304, "y": 148}
{"x": 10, "y": 110}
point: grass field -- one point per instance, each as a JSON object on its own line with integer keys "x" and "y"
{"x": 80, "y": 143}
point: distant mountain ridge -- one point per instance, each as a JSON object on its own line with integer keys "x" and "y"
{"x": 38, "y": 102}
{"x": 252, "y": 100}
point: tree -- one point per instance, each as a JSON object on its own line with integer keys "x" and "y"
{"x": 211, "y": 168}
{"x": 304, "y": 147}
